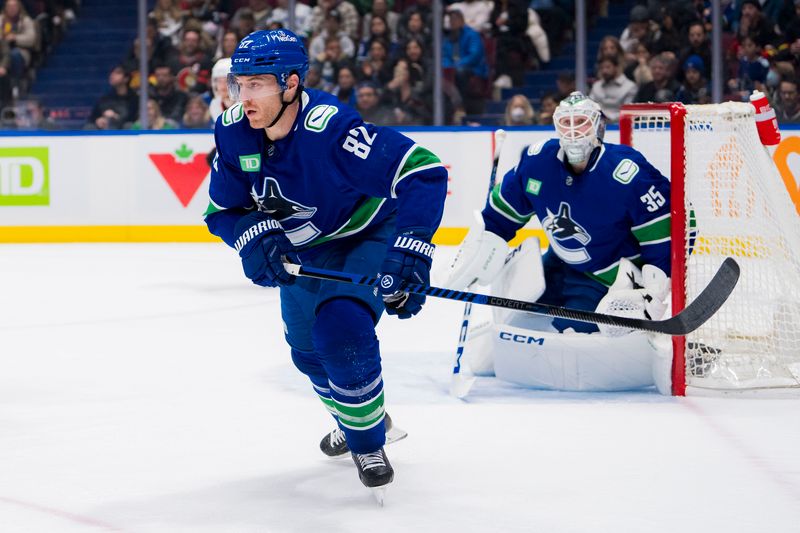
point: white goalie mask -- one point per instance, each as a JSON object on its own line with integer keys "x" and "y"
{"x": 580, "y": 126}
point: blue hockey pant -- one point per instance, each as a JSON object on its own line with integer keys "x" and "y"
{"x": 330, "y": 327}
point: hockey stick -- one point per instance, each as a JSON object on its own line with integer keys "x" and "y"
{"x": 461, "y": 382}
{"x": 692, "y": 317}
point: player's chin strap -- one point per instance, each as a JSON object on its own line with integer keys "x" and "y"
{"x": 284, "y": 105}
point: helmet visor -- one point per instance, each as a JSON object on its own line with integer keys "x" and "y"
{"x": 241, "y": 88}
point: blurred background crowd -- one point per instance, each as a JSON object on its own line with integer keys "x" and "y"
{"x": 74, "y": 64}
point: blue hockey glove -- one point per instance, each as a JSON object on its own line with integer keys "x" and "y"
{"x": 262, "y": 243}
{"x": 408, "y": 260}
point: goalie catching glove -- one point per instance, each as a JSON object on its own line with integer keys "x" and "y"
{"x": 408, "y": 260}
{"x": 635, "y": 294}
{"x": 262, "y": 244}
{"x": 479, "y": 258}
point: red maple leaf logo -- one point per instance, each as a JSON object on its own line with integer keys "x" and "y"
{"x": 183, "y": 172}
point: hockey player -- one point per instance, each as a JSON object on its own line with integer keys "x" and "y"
{"x": 300, "y": 177}
{"x": 220, "y": 100}
{"x": 606, "y": 213}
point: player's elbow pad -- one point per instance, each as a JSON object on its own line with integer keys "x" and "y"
{"x": 479, "y": 258}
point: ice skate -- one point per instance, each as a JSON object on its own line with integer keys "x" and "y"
{"x": 334, "y": 444}
{"x": 375, "y": 472}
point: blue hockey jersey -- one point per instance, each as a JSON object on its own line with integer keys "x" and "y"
{"x": 332, "y": 176}
{"x": 618, "y": 207}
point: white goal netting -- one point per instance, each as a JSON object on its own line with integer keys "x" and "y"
{"x": 736, "y": 206}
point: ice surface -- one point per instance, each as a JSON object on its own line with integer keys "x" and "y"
{"x": 147, "y": 388}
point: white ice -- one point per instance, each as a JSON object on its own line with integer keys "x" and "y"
{"x": 147, "y": 388}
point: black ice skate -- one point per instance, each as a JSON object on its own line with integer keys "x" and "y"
{"x": 375, "y": 472}
{"x": 334, "y": 445}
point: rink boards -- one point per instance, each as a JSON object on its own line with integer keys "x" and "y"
{"x": 153, "y": 187}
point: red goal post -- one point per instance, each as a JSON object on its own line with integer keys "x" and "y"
{"x": 674, "y": 113}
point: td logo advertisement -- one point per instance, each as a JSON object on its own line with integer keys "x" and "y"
{"x": 24, "y": 177}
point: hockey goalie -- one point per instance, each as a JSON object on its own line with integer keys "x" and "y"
{"x": 606, "y": 213}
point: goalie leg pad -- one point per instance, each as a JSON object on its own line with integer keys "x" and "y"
{"x": 479, "y": 258}
{"x": 478, "y": 350}
{"x": 521, "y": 278}
{"x": 572, "y": 361}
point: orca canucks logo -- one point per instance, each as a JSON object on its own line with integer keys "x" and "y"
{"x": 274, "y": 203}
{"x": 561, "y": 228}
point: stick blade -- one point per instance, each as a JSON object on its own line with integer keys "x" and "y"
{"x": 707, "y": 302}
{"x": 460, "y": 385}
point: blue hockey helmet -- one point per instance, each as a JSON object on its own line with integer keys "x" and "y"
{"x": 276, "y": 52}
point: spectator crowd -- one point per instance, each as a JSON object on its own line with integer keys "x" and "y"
{"x": 664, "y": 55}
{"x": 376, "y": 55}
{"x": 29, "y": 30}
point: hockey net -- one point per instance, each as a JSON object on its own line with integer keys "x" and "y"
{"x": 728, "y": 200}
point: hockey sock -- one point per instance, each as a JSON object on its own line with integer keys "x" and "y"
{"x": 344, "y": 339}
{"x": 308, "y": 363}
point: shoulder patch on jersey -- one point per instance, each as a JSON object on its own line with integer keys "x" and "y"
{"x": 626, "y": 170}
{"x": 233, "y": 114}
{"x": 536, "y": 148}
{"x": 318, "y": 117}
{"x": 533, "y": 186}
{"x": 250, "y": 163}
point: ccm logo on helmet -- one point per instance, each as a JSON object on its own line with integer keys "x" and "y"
{"x": 522, "y": 339}
{"x": 242, "y": 60}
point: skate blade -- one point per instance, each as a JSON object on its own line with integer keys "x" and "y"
{"x": 380, "y": 494}
{"x": 395, "y": 434}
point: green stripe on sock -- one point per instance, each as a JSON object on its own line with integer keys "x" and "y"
{"x": 362, "y": 423}
{"x": 328, "y": 404}
{"x": 360, "y": 416}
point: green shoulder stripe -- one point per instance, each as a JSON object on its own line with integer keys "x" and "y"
{"x": 415, "y": 160}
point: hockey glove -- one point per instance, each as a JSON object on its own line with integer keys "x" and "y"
{"x": 408, "y": 260}
{"x": 262, "y": 243}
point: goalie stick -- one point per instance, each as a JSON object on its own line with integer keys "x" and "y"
{"x": 460, "y": 381}
{"x": 692, "y": 317}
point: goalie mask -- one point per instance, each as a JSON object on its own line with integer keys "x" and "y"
{"x": 580, "y": 125}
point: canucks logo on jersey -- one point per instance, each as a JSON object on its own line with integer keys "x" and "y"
{"x": 274, "y": 203}
{"x": 561, "y": 228}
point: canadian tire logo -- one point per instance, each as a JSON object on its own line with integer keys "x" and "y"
{"x": 183, "y": 170}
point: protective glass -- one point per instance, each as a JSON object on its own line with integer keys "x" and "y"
{"x": 242, "y": 88}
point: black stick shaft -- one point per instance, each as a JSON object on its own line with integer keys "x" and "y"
{"x": 688, "y": 320}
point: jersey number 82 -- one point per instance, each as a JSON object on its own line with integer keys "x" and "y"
{"x": 353, "y": 145}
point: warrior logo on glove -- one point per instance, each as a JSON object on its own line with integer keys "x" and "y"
{"x": 407, "y": 261}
